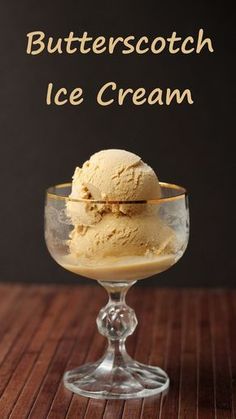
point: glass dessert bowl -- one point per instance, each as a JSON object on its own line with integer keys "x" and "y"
{"x": 116, "y": 243}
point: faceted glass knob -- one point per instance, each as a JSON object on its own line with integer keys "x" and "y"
{"x": 116, "y": 321}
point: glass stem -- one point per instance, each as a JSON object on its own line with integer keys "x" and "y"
{"x": 116, "y": 321}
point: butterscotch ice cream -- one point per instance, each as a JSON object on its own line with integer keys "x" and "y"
{"x": 115, "y": 174}
{"x": 110, "y": 240}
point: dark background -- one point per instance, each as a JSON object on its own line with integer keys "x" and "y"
{"x": 192, "y": 145}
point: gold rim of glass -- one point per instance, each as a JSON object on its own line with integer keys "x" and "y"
{"x": 180, "y": 193}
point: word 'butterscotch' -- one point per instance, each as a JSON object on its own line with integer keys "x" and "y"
{"x": 38, "y": 42}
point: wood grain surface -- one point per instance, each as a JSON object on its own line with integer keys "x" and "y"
{"x": 48, "y": 329}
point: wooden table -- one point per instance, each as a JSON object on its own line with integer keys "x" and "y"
{"x": 47, "y": 329}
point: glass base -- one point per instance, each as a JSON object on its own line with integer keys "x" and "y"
{"x": 116, "y": 375}
{"x": 101, "y": 380}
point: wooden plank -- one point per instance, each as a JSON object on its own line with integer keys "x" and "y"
{"x": 221, "y": 350}
{"x": 113, "y": 409}
{"x": 59, "y": 348}
{"x": 189, "y": 358}
{"x": 206, "y": 393}
{"x": 56, "y": 307}
{"x": 9, "y": 298}
{"x": 77, "y": 407}
{"x": 42, "y": 359}
{"x": 50, "y": 384}
{"x": 132, "y": 409}
{"x": 230, "y": 309}
{"x": 21, "y": 371}
{"x": 170, "y": 404}
{"x": 95, "y": 409}
{"x": 158, "y": 348}
{"x": 37, "y": 306}
{"x": 32, "y": 385}
{"x": 13, "y": 320}
{"x": 13, "y": 388}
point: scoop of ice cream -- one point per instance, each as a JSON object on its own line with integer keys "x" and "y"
{"x": 121, "y": 236}
{"x": 111, "y": 175}
{"x": 115, "y": 175}
{"x": 116, "y": 229}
